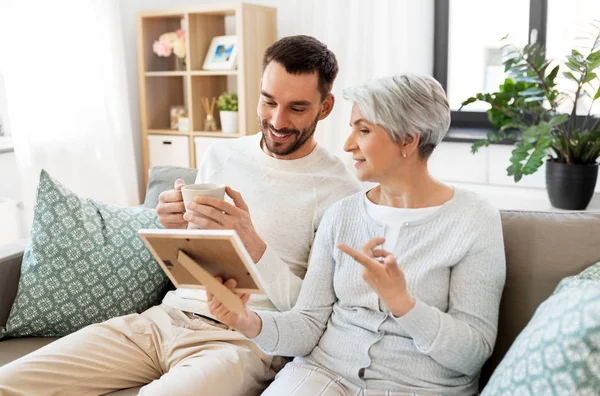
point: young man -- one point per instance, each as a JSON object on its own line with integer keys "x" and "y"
{"x": 285, "y": 183}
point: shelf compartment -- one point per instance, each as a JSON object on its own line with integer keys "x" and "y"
{"x": 152, "y": 28}
{"x": 161, "y": 94}
{"x": 205, "y": 87}
{"x": 203, "y": 27}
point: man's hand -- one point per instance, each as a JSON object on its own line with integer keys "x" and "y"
{"x": 170, "y": 207}
{"x": 221, "y": 215}
{"x": 250, "y": 325}
{"x": 382, "y": 273}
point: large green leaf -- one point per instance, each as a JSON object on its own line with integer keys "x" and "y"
{"x": 468, "y": 101}
{"x": 553, "y": 74}
{"x": 533, "y": 91}
{"x": 589, "y": 77}
{"x": 570, "y": 76}
{"x": 479, "y": 144}
{"x": 558, "y": 119}
{"x": 574, "y": 67}
{"x": 529, "y": 79}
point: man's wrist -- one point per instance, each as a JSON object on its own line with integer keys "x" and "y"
{"x": 257, "y": 253}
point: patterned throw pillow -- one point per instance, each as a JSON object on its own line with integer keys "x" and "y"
{"x": 558, "y": 352}
{"x": 85, "y": 264}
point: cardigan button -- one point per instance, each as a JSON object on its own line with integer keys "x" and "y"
{"x": 361, "y": 372}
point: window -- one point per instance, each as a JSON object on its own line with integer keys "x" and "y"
{"x": 474, "y": 47}
{"x": 468, "y": 49}
{"x": 568, "y": 21}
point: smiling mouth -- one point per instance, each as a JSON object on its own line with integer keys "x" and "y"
{"x": 280, "y": 137}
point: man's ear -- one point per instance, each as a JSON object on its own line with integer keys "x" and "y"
{"x": 327, "y": 106}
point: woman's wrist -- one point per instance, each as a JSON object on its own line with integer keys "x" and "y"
{"x": 403, "y": 306}
{"x": 254, "y": 325}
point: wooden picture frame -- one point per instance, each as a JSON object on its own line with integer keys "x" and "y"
{"x": 192, "y": 259}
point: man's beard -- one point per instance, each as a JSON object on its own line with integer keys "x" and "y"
{"x": 287, "y": 148}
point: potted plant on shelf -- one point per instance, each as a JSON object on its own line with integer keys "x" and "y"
{"x": 530, "y": 102}
{"x": 228, "y": 112}
{"x": 172, "y": 43}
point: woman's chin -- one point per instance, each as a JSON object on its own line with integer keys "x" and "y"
{"x": 364, "y": 177}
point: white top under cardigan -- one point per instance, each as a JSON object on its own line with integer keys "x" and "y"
{"x": 454, "y": 265}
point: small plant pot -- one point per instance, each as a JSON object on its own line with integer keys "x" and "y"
{"x": 570, "y": 186}
{"x": 229, "y": 121}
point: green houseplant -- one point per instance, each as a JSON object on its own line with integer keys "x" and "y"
{"x": 228, "y": 112}
{"x": 530, "y": 102}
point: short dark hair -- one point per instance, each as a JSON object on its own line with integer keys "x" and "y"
{"x": 305, "y": 55}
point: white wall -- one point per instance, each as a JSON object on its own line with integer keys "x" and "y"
{"x": 453, "y": 162}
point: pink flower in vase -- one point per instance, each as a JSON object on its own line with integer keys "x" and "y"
{"x": 161, "y": 49}
{"x": 180, "y": 33}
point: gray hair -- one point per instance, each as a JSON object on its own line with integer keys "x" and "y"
{"x": 405, "y": 105}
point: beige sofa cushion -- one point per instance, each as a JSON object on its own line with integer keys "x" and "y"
{"x": 541, "y": 249}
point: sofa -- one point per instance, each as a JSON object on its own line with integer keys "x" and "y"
{"x": 541, "y": 249}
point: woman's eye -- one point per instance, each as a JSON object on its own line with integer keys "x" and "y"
{"x": 364, "y": 131}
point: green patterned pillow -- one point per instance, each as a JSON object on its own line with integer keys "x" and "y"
{"x": 558, "y": 352}
{"x": 85, "y": 264}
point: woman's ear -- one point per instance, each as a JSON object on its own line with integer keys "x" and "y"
{"x": 410, "y": 145}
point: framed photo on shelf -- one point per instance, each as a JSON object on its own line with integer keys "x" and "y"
{"x": 222, "y": 54}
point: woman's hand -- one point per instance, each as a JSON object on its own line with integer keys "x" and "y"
{"x": 382, "y": 273}
{"x": 249, "y": 325}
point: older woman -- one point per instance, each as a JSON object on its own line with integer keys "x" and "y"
{"x": 414, "y": 310}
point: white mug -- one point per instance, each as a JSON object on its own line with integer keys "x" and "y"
{"x": 191, "y": 191}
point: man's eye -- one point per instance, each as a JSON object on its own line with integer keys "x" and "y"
{"x": 297, "y": 109}
{"x": 268, "y": 103}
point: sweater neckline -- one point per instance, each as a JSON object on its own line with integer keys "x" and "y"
{"x": 283, "y": 164}
{"x": 456, "y": 198}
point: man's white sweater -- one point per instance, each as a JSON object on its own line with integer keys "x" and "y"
{"x": 286, "y": 200}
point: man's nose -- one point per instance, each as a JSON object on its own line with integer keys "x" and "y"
{"x": 279, "y": 119}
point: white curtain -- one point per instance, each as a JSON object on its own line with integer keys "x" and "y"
{"x": 64, "y": 70}
{"x": 371, "y": 38}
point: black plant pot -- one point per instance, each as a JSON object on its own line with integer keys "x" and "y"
{"x": 570, "y": 186}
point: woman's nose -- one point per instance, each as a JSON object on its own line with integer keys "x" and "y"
{"x": 349, "y": 145}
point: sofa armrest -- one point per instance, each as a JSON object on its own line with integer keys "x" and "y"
{"x": 10, "y": 271}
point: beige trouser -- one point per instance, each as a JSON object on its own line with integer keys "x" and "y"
{"x": 301, "y": 379}
{"x": 162, "y": 347}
